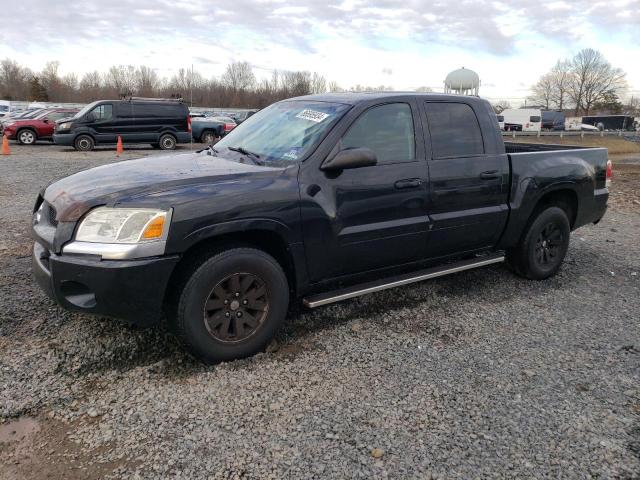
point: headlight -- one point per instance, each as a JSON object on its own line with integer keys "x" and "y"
{"x": 65, "y": 126}
{"x": 123, "y": 225}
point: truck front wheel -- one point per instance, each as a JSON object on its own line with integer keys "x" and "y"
{"x": 231, "y": 305}
{"x": 543, "y": 246}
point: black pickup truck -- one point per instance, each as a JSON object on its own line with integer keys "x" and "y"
{"x": 312, "y": 200}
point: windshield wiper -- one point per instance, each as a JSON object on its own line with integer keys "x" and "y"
{"x": 210, "y": 151}
{"x": 255, "y": 158}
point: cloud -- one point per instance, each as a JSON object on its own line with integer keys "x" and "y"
{"x": 474, "y": 23}
{"x": 328, "y": 36}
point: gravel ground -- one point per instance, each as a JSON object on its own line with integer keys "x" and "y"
{"x": 476, "y": 375}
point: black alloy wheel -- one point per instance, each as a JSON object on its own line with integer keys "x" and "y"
{"x": 236, "y": 307}
{"x": 544, "y": 244}
{"x": 229, "y": 304}
{"x": 549, "y": 245}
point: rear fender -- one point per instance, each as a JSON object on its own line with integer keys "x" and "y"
{"x": 541, "y": 178}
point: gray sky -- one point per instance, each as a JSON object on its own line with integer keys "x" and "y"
{"x": 401, "y": 43}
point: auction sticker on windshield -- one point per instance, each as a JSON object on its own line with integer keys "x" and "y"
{"x": 312, "y": 115}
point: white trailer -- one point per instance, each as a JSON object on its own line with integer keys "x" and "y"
{"x": 522, "y": 119}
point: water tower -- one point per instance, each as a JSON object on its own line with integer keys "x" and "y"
{"x": 462, "y": 82}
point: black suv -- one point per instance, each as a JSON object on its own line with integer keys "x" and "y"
{"x": 163, "y": 123}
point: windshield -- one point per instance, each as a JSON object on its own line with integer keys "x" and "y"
{"x": 86, "y": 109}
{"x": 42, "y": 114}
{"x": 32, "y": 113}
{"x": 284, "y": 132}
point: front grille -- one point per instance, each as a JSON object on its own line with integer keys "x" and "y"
{"x": 51, "y": 212}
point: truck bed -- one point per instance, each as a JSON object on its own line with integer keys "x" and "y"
{"x": 538, "y": 168}
{"x": 517, "y": 147}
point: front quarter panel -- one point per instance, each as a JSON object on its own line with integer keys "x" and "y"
{"x": 267, "y": 201}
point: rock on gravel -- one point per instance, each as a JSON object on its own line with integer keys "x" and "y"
{"x": 477, "y": 375}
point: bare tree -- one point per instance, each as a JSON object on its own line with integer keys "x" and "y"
{"x": 14, "y": 80}
{"x": 592, "y": 79}
{"x": 239, "y": 76}
{"x": 237, "y": 88}
{"x": 91, "y": 86}
{"x": 147, "y": 81}
{"x": 560, "y": 77}
{"x": 334, "y": 87}
{"x": 69, "y": 87}
{"x": 121, "y": 79}
{"x": 50, "y": 81}
{"x": 318, "y": 83}
{"x": 543, "y": 91}
{"x": 632, "y": 107}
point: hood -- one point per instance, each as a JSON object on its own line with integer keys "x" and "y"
{"x": 74, "y": 195}
{"x": 65, "y": 119}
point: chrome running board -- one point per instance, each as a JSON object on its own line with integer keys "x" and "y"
{"x": 397, "y": 281}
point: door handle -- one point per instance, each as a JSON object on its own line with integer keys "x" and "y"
{"x": 491, "y": 174}
{"x": 408, "y": 183}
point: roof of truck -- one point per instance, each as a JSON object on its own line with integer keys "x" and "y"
{"x": 352, "y": 98}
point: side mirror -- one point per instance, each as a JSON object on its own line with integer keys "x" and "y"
{"x": 350, "y": 158}
{"x": 45, "y": 120}
{"x": 89, "y": 117}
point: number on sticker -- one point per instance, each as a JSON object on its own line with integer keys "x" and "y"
{"x": 312, "y": 115}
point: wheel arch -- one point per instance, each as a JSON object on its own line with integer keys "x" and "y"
{"x": 203, "y": 246}
{"x": 563, "y": 195}
{"x": 85, "y": 134}
{"x": 22, "y": 129}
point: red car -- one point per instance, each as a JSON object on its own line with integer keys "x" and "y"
{"x": 41, "y": 127}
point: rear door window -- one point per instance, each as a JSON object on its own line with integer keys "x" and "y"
{"x": 454, "y": 130}
{"x": 385, "y": 129}
{"x": 534, "y": 119}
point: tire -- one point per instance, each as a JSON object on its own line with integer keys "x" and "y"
{"x": 26, "y": 137}
{"x": 167, "y": 142}
{"x": 208, "y": 137}
{"x": 220, "y": 295}
{"x": 543, "y": 246}
{"x": 83, "y": 143}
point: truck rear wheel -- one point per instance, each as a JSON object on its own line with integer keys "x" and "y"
{"x": 543, "y": 246}
{"x": 231, "y": 305}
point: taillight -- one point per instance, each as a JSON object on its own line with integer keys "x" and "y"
{"x": 228, "y": 127}
{"x": 189, "y": 123}
{"x": 609, "y": 173}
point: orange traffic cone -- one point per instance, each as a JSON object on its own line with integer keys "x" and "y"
{"x": 119, "y": 148}
{"x": 5, "y": 145}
